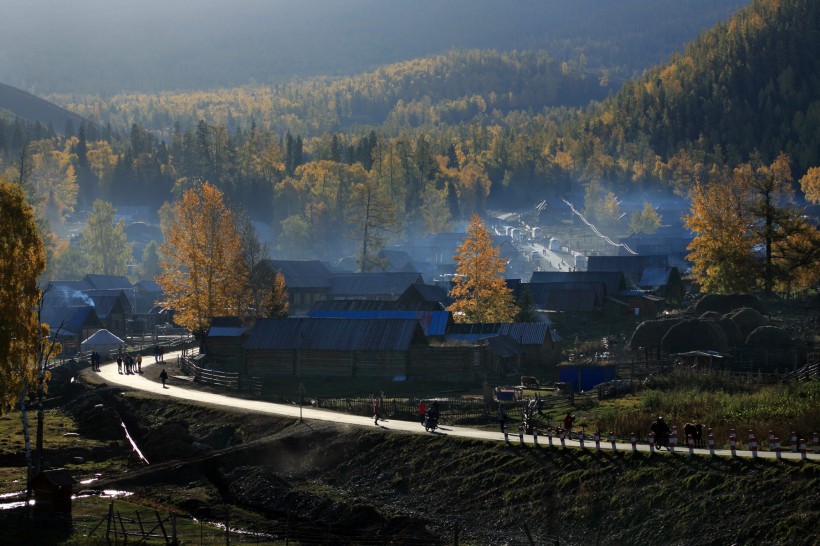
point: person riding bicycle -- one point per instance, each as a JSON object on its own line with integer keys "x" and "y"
{"x": 662, "y": 431}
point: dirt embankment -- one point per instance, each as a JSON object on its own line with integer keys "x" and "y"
{"x": 417, "y": 489}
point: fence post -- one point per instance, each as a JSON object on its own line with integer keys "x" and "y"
{"x": 753, "y": 444}
{"x": 771, "y": 439}
{"x": 802, "y": 449}
{"x": 521, "y": 437}
{"x": 634, "y": 441}
{"x": 549, "y": 436}
{"x": 535, "y": 436}
{"x": 612, "y": 441}
{"x": 673, "y": 438}
{"x": 651, "y": 443}
{"x": 506, "y": 436}
{"x": 815, "y": 438}
{"x": 711, "y": 443}
{"x": 794, "y": 442}
{"x": 581, "y": 439}
{"x": 597, "y": 441}
{"x": 777, "y": 448}
{"x": 561, "y": 436}
{"x": 732, "y": 442}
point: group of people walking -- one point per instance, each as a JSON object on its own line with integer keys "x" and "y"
{"x": 128, "y": 364}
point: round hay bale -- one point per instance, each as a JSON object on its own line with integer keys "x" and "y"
{"x": 770, "y": 337}
{"x": 734, "y": 335}
{"x": 724, "y": 303}
{"x": 747, "y": 319}
{"x": 649, "y": 333}
{"x": 711, "y": 315}
{"x": 771, "y": 347}
{"x": 694, "y": 335}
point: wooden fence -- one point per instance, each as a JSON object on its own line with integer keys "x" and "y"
{"x": 121, "y": 528}
{"x": 217, "y": 378}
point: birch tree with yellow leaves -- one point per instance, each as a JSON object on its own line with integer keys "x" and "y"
{"x": 202, "y": 267}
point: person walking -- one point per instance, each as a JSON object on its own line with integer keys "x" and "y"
{"x": 422, "y": 411}
{"x": 502, "y": 417}
{"x": 163, "y": 376}
{"x": 119, "y": 364}
{"x": 139, "y": 363}
{"x": 568, "y": 421}
{"x": 376, "y": 411}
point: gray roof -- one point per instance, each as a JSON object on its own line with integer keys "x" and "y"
{"x": 303, "y": 274}
{"x": 613, "y": 280}
{"x": 391, "y": 284}
{"x": 71, "y": 318}
{"x": 108, "y": 282}
{"x": 659, "y": 276}
{"x": 567, "y": 299}
{"x": 396, "y": 259}
{"x": 419, "y": 292}
{"x": 505, "y": 346}
{"x": 536, "y": 289}
{"x": 333, "y": 334}
{"x": 148, "y": 285}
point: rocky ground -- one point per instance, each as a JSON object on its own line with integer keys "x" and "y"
{"x": 337, "y": 484}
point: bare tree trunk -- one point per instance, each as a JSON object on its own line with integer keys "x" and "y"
{"x": 26, "y": 434}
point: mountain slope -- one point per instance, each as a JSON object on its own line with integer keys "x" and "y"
{"x": 33, "y": 109}
{"x": 94, "y": 46}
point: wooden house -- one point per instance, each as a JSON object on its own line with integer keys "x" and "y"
{"x": 332, "y": 347}
{"x": 224, "y": 343}
{"x": 632, "y": 266}
{"x": 665, "y": 282}
{"x": 70, "y": 325}
{"x": 612, "y": 281}
{"x": 307, "y": 282}
{"x": 434, "y": 320}
{"x": 386, "y": 286}
{"x": 539, "y": 339}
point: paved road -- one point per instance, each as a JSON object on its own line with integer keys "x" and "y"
{"x": 110, "y": 375}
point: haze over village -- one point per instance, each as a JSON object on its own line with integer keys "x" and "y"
{"x": 580, "y": 220}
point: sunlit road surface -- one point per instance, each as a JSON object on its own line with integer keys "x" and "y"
{"x": 138, "y": 382}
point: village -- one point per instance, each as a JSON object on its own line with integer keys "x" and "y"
{"x": 588, "y": 295}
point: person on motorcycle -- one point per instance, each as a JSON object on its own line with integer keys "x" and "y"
{"x": 662, "y": 431}
{"x": 432, "y": 416}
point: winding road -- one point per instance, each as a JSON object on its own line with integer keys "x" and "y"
{"x": 108, "y": 373}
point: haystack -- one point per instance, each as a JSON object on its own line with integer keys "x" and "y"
{"x": 734, "y": 335}
{"x": 694, "y": 335}
{"x": 724, "y": 303}
{"x": 747, "y": 319}
{"x": 649, "y": 333}
{"x": 770, "y": 337}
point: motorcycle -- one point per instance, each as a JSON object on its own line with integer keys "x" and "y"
{"x": 430, "y": 422}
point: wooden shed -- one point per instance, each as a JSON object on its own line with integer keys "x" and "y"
{"x": 52, "y": 493}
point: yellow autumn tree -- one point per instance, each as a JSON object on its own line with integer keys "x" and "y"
{"x": 810, "y": 184}
{"x": 479, "y": 291}
{"x": 202, "y": 266}
{"x": 22, "y": 260}
{"x": 722, "y": 249}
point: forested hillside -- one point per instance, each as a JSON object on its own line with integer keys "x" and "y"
{"x": 749, "y": 86}
{"x": 443, "y": 137}
{"x": 449, "y": 89}
{"x": 94, "y": 46}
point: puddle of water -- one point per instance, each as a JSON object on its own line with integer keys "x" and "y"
{"x": 89, "y": 480}
{"x": 104, "y": 494}
{"x": 13, "y": 505}
{"x": 12, "y": 495}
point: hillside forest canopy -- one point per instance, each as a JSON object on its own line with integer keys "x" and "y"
{"x": 440, "y": 138}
